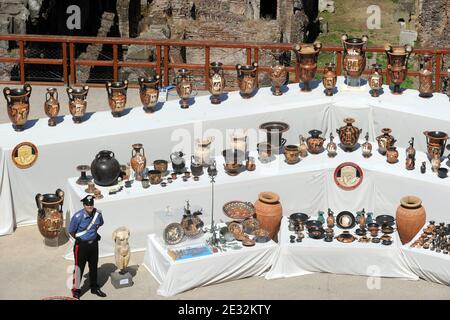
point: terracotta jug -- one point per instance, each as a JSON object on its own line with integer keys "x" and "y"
{"x": 138, "y": 160}
{"x": 411, "y": 217}
{"x": 51, "y": 106}
{"x": 269, "y": 212}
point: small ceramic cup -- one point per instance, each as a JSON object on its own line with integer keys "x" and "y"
{"x": 442, "y": 173}
{"x": 145, "y": 183}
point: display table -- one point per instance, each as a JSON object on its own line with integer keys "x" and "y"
{"x": 307, "y": 186}
{"x": 356, "y": 258}
{"x": 178, "y": 276}
{"x": 67, "y": 145}
{"x": 428, "y": 264}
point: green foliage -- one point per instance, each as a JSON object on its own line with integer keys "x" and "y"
{"x": 408, "y": 83}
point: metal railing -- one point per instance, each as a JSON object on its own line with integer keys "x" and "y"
{"x": 162, "y": 65}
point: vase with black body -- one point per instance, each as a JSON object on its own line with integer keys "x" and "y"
{"x": 307, "y": 55}
{"x": 105, "y": 169}
{"x": 397, "y": 67}
{"x": 149, "y": 92}
{"x": 18, "y": 105}
{"x": 354, "y": 58}
{"x": 117, "y": 96}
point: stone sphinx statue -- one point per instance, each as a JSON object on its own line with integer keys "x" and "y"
{"x": 122, "y": 251}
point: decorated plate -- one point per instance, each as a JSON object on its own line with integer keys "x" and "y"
{"x": 24, "y": 155}
{"x": 239, "y": 210}
{"x": 348, "y": 176}
{"x": 173, "y": 233}
{"x": 345, "y": 220}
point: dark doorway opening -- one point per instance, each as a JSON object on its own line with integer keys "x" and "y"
{"x": 268, "y": 9}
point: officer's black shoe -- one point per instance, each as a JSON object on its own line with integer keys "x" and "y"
{"x": 98, "y": 292}
{"x": 76, "y": 294}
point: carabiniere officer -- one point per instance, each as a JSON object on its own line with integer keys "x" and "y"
{"x": 83, "y": 228}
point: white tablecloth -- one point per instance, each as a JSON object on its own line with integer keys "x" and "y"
{"x": 428, "y": 264}
{"x": 304, "y": 187}
{"x": 67, "y": 145}
{"x": 363, "y": 259}
{"x": 178, "y": 276}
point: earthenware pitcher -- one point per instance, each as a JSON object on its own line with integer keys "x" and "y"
{"x": 138, "y": 160}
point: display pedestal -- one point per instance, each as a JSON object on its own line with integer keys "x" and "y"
{"x": 119, "y": 280}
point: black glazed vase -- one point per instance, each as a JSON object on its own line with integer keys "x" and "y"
{"x": 105, "y": 169}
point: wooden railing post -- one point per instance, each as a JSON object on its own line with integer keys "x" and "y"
{"x": 158, "y": 60}
{"x": 64, "y": 63}
{"x": 73, "y": 78}
{"x": 437, "y": 87}
{"x": 166, "y": 65}
{"x": 115, "y": 62}
{"x": 249, "y": 55}
{"x": 207, "y": 59}
{"x": 22, "y": 61}
{"x": 256, "y": 59}
{"x": 338, "y": 63}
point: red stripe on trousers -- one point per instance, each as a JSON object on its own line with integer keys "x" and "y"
{"x": 76, "y": 266}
